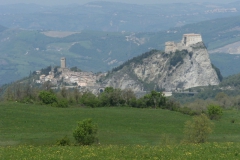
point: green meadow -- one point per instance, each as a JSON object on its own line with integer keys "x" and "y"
{"x": 29, "y": 131}
{"x": 119, "y": 152}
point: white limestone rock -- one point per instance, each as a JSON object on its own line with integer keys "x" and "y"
{"x": 194, "y": 70}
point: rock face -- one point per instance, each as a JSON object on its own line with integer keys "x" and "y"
{"x": 170, "y": 71}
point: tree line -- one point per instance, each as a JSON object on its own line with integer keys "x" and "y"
{"x": 29, "y": 92}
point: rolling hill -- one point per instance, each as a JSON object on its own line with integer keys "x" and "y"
{"x": 23, "y": 51}
{"x": 112, "y": 16}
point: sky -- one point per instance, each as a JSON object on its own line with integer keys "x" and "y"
{"x": 65, "y": 2}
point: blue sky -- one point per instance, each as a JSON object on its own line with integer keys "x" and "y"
{"x": 64, "y": 2}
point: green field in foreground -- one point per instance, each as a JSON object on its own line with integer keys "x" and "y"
{"x": 30, "y": 132}
{"x": 43, "y": 125}
{"x": 175, "y": 152}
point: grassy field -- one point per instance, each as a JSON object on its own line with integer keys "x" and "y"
{"x": 178, "y": 152}
{"x": 30, "y": 132}
{"x": 36, "y": 124}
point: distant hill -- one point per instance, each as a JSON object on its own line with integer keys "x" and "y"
{"x": 216, "y": 33}
{"x": 112, "y": 16}
{"x": 232, "y": 82}
{"x": 2, "y": 28}
{"x": 23, "y": 51}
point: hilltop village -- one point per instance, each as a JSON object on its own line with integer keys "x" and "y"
{"x": 70, "y": 78}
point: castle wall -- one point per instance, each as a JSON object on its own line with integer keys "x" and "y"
{"x": 170, "y": 47}
{"x": 187, "y": 41}
{"x": 177, "y": 46}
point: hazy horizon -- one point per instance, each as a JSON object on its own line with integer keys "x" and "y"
{"x": 63, "y": 2}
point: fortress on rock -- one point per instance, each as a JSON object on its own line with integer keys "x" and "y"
{"x": 187, "y": 41}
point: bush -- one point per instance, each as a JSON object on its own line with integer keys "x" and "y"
{"x": 85, "y": 132}
{"x": 197, "y": 130}
{"x": 47, "y": 97}
{"x": 89, "y": 99}
{"x": 214, "y": 112}
{"x": 62, "y": 103}
{"x": 65, "y": 141}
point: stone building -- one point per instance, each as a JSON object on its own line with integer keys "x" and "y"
{"x": 187, "y": 41}
{"x": 63, "y": 62}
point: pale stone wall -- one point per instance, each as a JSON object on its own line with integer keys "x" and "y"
{"x": 170, "y": 47}
{"x": 187, "y": 41}
{"x": 63, "y": 62}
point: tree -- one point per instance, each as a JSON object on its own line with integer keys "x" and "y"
{"x": 85, "y": 132}
{"x": 155, "y": 99}
{"x": 197, "y": 130}
{"x": 128, "y": 95}
{"x": 9, "y": 95}
{"x": 76, "y": 95}
{"x": 47, "y": 97}
{"x": 47, "y": 86}
{"x": 214, "y": 112}
{"x": 112, "y": 97}
{"x": 224, "y": 100}
{"x": 89, "y": 99}
{"x": 64, "y": 92}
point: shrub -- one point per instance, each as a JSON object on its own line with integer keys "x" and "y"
{"x": 166, "y": 139}
{"x": 85, "y": 132}
{"x": 62, "y": 103}
{"x": 89, "y": 99}
{"x": 47, "y": 97}
{"x": 65, "y": 141}
{"x": 214, "y": 112}
{"x": 186, "y": 110}
{"x": 197, "y": 130}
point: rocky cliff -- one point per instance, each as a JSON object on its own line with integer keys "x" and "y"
{"x": 170, "y": 71}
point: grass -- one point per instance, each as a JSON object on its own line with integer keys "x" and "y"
{"x": 177, "y": 152}
{"x": 36, "y": 124}
{"x": 30, "y": 131}
{"x": 39, "y": 124}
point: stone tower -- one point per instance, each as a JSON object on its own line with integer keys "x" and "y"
{"x": 52, "y": 71}
{"x": 63, "y": 62}
{"x": 191, "y": 38}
